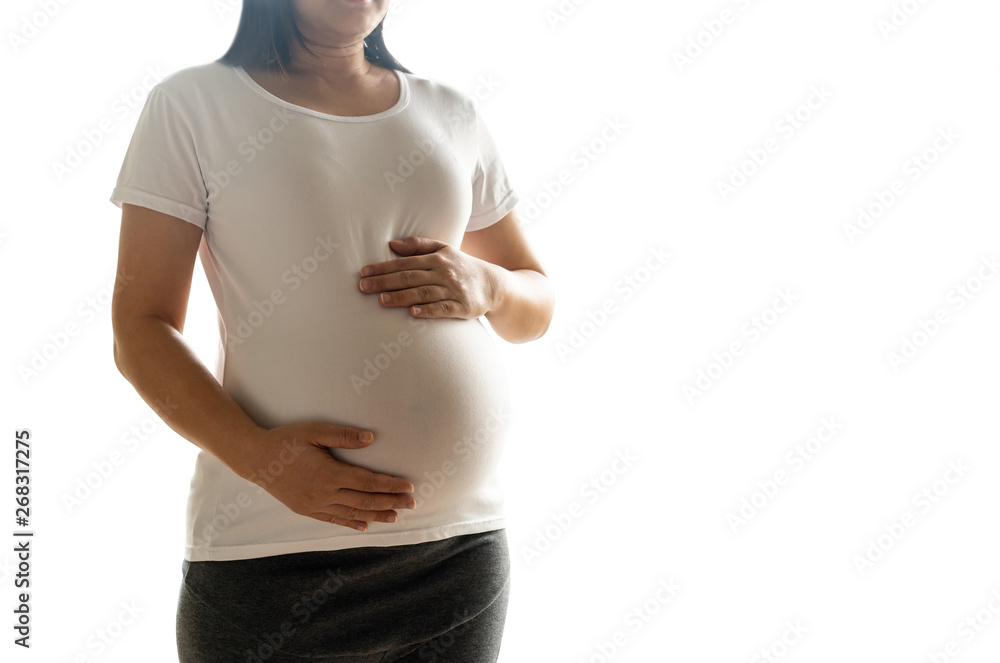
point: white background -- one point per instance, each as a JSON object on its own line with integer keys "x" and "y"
{"x": 620, "y": 387}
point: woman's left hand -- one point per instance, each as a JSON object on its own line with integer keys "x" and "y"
{"x": 435, "y": 280}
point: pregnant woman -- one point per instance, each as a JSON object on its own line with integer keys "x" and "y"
{"x": 355, "y": 222}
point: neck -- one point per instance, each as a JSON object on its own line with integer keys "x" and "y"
{"x": 337, "y": 66}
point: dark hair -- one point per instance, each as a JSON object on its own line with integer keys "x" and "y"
{"x": 264, "y": 39}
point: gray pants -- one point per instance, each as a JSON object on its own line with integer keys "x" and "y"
{"x": 435, "y": 602}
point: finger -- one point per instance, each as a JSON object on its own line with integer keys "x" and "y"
{"x": 406, "y": 278}
{"x": 358, "y": 524}
{"x": 336, "y": 520}
{"x": 445, "y": 308}
{"x": 366, "y": 481}
{"x": 421, "y": 262}
{"x": 423, "y": 294}
{"x": 416, "y": 245}
{"x": 350, "y": 514}
{"x": 371, "y": 502}
{"x": 342, "y": 437}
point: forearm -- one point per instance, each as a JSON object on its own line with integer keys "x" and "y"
{"x": 153, "y": 356}
{"x": 523, "y": 304}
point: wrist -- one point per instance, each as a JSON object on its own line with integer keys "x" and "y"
{"x": 497, "y": 280}
{"x": 245, "y": 452}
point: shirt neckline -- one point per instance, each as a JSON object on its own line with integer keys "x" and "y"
{"x": 401, "y": 103}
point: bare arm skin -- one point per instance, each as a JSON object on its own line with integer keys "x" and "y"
{"x": 156, "y": 259}
{"x": 158, "y": 252}
{"x": 524, "y": 296}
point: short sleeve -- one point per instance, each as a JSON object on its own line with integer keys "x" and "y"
{"x": 492, "y": 195}
{"x": 161, "y": 170}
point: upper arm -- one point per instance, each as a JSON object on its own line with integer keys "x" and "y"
{"x": 503, "y": 244}
{"x": 156, "y": 254}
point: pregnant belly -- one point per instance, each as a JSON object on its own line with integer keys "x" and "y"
{"x": 434, "y": 392}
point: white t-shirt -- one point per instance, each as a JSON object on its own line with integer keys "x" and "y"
{"x": 293, "y": 202}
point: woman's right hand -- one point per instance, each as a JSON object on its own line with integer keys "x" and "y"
{"x": 293, "y": 464}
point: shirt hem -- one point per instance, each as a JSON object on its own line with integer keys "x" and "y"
{"x": 487, "y": 219}
{"x": 340, "y": 542}
{"x": 159, "y": 204}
